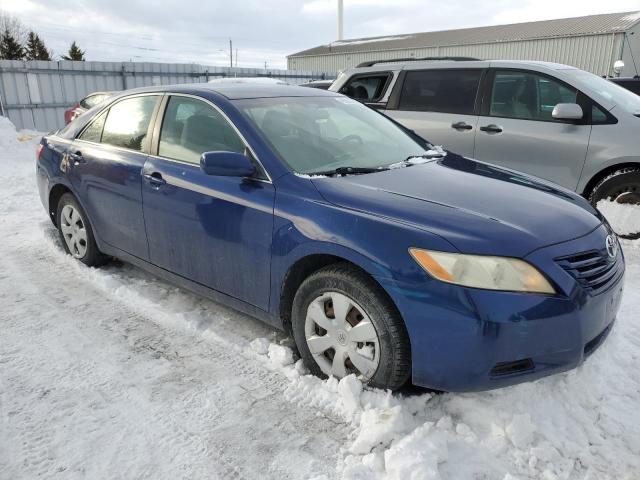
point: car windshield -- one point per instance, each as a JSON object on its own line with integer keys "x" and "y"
{"x": 608, "y": 90}
{"x": 319, "y": 134}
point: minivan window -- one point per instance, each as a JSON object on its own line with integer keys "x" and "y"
{"x": 448, "y": 91}
{"x": 191, "y": 127}
{"x": 366, "y": 89}
{"x": 606, "y": 90}
{"x": 128, "y": 121}
{"x": 93, "y": 133}
{"x": 527, "y": 96}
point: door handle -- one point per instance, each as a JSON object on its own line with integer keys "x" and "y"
{"x": 461, "y": 126}
{"x": 77, "y": 158}
{"x": 154, "y": 179}
{"x": 493, "y": 128}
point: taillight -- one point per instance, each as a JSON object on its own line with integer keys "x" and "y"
{"x": 39, "y": 151}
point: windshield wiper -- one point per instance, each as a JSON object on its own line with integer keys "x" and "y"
{"x": 427, "y": 155}
{"x": 348, "y": 171}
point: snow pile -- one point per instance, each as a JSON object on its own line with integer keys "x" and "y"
{"x": 623, "y": 218}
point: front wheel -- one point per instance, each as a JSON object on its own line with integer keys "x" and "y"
{"x": 344, "y": 323}
{"x": 76, "y": 233}
{"x": 618, "y": 198}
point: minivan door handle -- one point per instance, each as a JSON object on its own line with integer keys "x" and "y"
{"x": 155, "y": 179}
{"x": 493, "y": 128}
{"x": 461, "y": 126}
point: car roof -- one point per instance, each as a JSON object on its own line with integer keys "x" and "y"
{"x": 237, "y": 91}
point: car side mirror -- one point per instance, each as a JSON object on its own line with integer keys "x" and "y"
{"x": 567, "y": 111}
{"x": 227, "y": 164}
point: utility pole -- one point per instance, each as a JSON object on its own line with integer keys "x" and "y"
{"x": 340, "y": 12}
{"x": 236, "y": 58}
{"x": 230, "y": 53}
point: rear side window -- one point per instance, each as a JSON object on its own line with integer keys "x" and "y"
{"x": 527, "y": 96}
{"x": 128, "y": 121}
{"x": 191, "y": 127}
{"x": 366, "y": 88}
{"x": 448, "y": 91}
{"x": 93, "y": 133}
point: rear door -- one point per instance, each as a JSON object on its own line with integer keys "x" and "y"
{"x": 105, "y": 168}
{"x": 213, "y": 230}
{"x": 440, "y": 105}
{"x": 517, "y": 130}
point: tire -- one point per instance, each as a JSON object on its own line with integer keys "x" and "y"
{"x": 343, "y": 288}
{"x": 76, "y": 232}
{"x": 622, "y": 186}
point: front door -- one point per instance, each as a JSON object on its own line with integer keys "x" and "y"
{"x": 105, "y": 168}
{"x": 439, "y": 106}
{"x": 518, "y": 131}
{"x": 215, "y": 231}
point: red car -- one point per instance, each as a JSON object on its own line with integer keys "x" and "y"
{"x": 85, "y": 104}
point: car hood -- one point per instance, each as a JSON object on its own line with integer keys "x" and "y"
{"x": 479, "y": 208}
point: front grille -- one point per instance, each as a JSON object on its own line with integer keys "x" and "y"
{"x": 595, "y": 271}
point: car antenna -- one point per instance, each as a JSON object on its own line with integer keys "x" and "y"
{"x": 626, "y": 36}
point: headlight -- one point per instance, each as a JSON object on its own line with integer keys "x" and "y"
{"x": 480, "y": 271}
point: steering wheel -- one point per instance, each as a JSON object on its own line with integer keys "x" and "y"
{"x": 352, "y": 138}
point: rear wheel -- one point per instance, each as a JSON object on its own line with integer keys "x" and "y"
{"x": 621, "y": 188}
{"x": 76, "y": 233}
{"x": 344, "y": 323}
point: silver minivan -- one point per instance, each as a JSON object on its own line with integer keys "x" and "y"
{"x": 549, "y": 120}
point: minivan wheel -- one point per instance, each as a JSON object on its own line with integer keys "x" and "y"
{"x": 344, "y": 323}
{"x": 623, "y": 187}
{"x": 76, "y": 233}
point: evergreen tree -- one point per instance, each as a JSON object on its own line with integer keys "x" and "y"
{"x": 74, "y": 53}
{"x": 10, "y": 48}
{"x": 36, "y": 49}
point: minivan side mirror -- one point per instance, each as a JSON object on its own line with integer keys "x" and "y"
{"x": 226, "y": 164}
{"x": 567, "y": 111}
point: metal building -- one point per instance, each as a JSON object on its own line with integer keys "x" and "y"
{"x": 592, "y": 43}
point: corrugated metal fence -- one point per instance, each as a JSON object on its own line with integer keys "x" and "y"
{"x": 35, "y": 94}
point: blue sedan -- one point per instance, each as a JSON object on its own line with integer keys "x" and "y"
{"x": 382, "y": 255}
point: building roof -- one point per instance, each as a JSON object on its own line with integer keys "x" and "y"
{"x": 576, "y": 26}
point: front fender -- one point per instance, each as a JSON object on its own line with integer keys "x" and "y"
{"x": 305, "y": 224}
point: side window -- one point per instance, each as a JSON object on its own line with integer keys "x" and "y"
{"x": 448, "y": 91}
{"x": 366, "y": 89}
{"x": 128, "y": 121}
{"x": 93, "y": 133}
{"x": 598, "y": 116}
{"x": 191, "y": 127}
{"x": 527, "y": 96}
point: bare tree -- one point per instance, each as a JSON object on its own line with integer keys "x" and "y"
{"x": 13, "y": 25}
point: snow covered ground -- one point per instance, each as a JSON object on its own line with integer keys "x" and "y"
{"x": 112, "y": 373}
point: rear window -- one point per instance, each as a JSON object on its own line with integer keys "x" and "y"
{"x": 92, "y": 100}
{"x": 448, "y": 91}
{"x": 368, "y": 88}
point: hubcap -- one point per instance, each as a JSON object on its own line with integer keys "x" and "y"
{"x": 73, "y": 231}
{"x": 341, "y": 336}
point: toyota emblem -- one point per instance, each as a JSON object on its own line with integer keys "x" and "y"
{"x": 612, "y": 246}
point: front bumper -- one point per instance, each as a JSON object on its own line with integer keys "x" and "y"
{"x": 465, "y": 339}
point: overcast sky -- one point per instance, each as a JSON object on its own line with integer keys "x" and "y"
{"x": 198, "y": 31}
